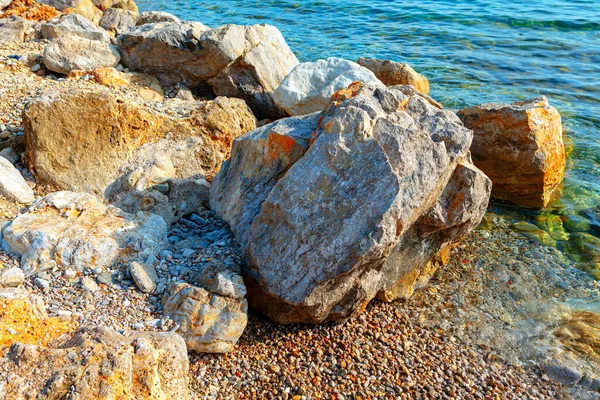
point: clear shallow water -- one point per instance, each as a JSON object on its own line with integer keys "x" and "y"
{"x": 474, "y": 52}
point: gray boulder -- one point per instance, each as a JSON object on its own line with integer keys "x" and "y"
{"x": 248, "y": 62}
{"x": 69, "y": 53}
{"x": 310, "y": 85}
{"x": 73, "y": 25}
{"x": 152, "y": 17}
{"x": 17, "y": 30}
{"x": 12, "y": 184}
{"x": 382, "y": 172}
{"x": 116, "y": 20}
{"x": 77, "y": 231}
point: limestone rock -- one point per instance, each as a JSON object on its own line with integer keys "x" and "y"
{"x": 520, "y": 147}
{"x": 88, "y": 10}
{"x": 382, "y": 172}
{"x": 144, "y": 276}
{"x": 11, "y": 277}
{"x": 77, "y": 231}
{"x": 68, "y": 53}
{"x": 73, "y": 25}
{"x": 152, "y": 17}
{"x": 128, "y": 5}
{"x": 395, "y": 73}
{"x": 209, "y": 322}
{"x": 258, "y": 160}
{"x": 117, "y": 21}
{"x": 150, "y": 161}
{"x": 310, "y": 85}
{"x": 248, "y": 62}
{"x": 12, "y": 184}
{"x": 99, "y": 363}
{"x": 112, "y": 78}
{"x": 16, "y": 29}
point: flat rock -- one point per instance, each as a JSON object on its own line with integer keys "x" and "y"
{"x": 208, "y": 322}
{"x": 77, "y": 231}
{"x": 150, "y": 161}
{"x": 68, "y": 53}
{"x": 100, "y": 363}
{"x": 520, "y": 147}
{"x": 310, "y": 85}
{"x": 393, "y": 73}
{"x": 73, "y": 25}
{"x": 12, "y": 184}
{"x": 247, "y": 62}
{"x": 382, "y": 171}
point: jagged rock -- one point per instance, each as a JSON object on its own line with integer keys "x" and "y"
{"x": 209, "y": 323}
{"x": 116, "y": 20}
{"x": 16, "y": 29}
{"x": 248, "y": 62}
{"x": 68, "y": 53}
{"x": 150, "y": 161}
{"x": 395, "y": 73}
{"x": 73, "y": 25}
{"x": 77, "y": 231}
{"x": 258, "y": 160}
{"x": 11, "y": 277}
{"x": 520, "y": 147}
{"x": 222, "y": 281}
{"x": 382, "y": 172}
{"x": 152, "y": 17}
{"x": 310, "y": 85}
{"x": 99, "y": 363}
{"x": 12, "y": 184}
{"x": 144, "y": 276}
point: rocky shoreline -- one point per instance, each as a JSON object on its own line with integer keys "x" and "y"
{"x": 159, "y": 177}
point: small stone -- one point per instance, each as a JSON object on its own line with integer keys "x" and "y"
{"x": 144, "y": 276}
{"x": 89, "y": 284}
{"x": 11, "y": 277}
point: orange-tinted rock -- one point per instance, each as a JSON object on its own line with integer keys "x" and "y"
{"x": 520, "y": 147}
{"x": 395, "y": 73}
{"x": 31, "y": 10}
{"x": 150, "y": 88}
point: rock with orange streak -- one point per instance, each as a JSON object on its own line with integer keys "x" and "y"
{"x": 78, "y": 231}
{"x": 259, "y": 159}
{"x": 100, "y": 363}
{"x": 393, "y": 73}
{"x": 385, "y": 184}
{"x": 520, "y": 147}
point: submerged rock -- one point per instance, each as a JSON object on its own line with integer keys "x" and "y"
{"x": 248, "y": 62}
{"x": 101, "y": 363}
{"x": 309, "y": 87}
{"x": 395, "y": 73}
{"x": 12, "y": 184}
{"x": 77, "y": 231}
{"x": 150, "y": 161}
{"x": 209, "y": 322}
{"x": 520, "y": 147}
{"x": 68, "y": 53}
{"x": 382, "y": 177}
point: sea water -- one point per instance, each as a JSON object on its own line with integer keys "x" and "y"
{"x": 472, "y": 52}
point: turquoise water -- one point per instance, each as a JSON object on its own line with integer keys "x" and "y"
{"x": 472, "y": 52}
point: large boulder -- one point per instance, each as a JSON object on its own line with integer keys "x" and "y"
{"x": 209, "y": 322}
{"x": 100, "y": 363}
{"x": 150, "y": 160}
{"x": 16, "y": 29}
{"x": 68, "y": 53}
{"x": 395, "y": 73}
{"x": 520, "y": 147}
{"x": 248, "y": 62}
{"x": 77, "y": 231}
{"x": 116, "y": 20}
{"x": 12, "y": 184}
{"x": 310, "y": 85}
{"x": 73, "y": 25}
{"x": 378, "y": 172}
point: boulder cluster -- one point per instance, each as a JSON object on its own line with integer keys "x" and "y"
{"x": 341, "y": 182}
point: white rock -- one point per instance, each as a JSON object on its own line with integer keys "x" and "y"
{"x": 11, "y": 277}
{"x": 68, "y": 53}
{"x": 12, "y": 184}
{"x": 4, "y": 4}
{"x": 309, "y": 87}
{"x": 89, "y": 284}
